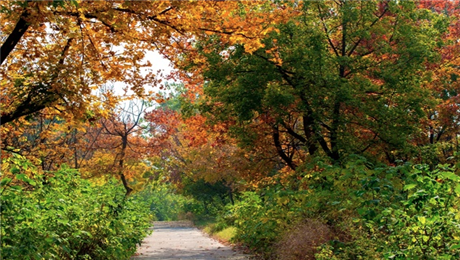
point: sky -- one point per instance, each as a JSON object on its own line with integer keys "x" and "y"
{"x": 158, "y": 63}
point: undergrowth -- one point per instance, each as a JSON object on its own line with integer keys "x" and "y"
{"x": 62, "y": 216}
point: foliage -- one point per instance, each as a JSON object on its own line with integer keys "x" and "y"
{"x": 407, "y": 211}
{"x": 425, "y": 224}
{"x": 338, "y": 103}
{"x": 225, "y": 234}
{"x": 166, "y": 204}
{"x": 400, "y": 212}
{"x": 320, "y": 114}
{"x": 260, "y": 219}
{"x": 325, "y": 85}
{"x": 59, "y": 215}
{"x": 90, "y": 44}
{"x": 55, "y": 55}
{"x": 213, "y": 196}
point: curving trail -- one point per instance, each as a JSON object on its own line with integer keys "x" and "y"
{"x": 179, "y": 240}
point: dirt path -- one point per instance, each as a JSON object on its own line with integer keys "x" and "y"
{"x": 179, "y": 240}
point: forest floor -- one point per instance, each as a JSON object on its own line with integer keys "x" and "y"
{"x": 181, "y": 240}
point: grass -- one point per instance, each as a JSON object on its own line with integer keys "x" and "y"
{"x": 203, "y": 222}
{"x": 226, "y": 234}
{"x": 212, "y": 228}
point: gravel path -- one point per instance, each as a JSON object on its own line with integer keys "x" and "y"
{"x": 180, "y": 240}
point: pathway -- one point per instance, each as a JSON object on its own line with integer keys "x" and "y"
{"x": 179, "y": 240}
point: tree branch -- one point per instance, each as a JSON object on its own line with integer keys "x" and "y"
{"x": 21, "y": 27}
{"x": 279, "y": 149}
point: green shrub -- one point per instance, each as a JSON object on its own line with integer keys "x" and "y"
{"x": 167, "y": 205}
{"x": 253, "y": 229}
{"x": 426, "y": 222}
{"x": 402, "y": 212}
{"x": 405, "y": 212}
{"x": 260, "y": 219}
{"x": 63, "y": 216}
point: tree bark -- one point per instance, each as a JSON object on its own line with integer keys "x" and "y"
{"x": 128, "y": 189}
{"x": 21, "y": 27}
{"x": 279, "y": 149}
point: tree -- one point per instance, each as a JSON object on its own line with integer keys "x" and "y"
{"x": 339, "y": 78}
{"x": 438, "y": 138}
{"x": 53, "y": 52}
{"x": 119, "y": 145}
{"x": 45, "y": 139}
{"x": 56, "y": 54}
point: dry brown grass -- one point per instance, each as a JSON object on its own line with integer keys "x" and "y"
{"x": 302, "y": 240}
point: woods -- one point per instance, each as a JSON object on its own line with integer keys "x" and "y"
{"x": 310, "y": 129}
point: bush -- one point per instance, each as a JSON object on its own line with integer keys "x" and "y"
{"x": 63, "y": 216}
{"x": 405, "y": 212}
{"x": 260, "y": 219}
{"x": 366, "y": 212}
{"x": 166, "y": 204}
{"x": 426, "y": 222}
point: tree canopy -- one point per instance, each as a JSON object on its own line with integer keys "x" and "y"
{"x": 339, "y": 78}
{"x": 55, "y": 52}
{"x": 325, "y": 126}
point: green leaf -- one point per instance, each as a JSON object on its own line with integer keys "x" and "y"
{"x": 457, "y": 189}
{"x": 15, "y": 170}
{"x": 410, "y": 186}
{"x": 450, "y": 176}
{"x": 87, "y": 234}
{"x": 5, "y": 181}
{"x": 455, "y": 247}
{"x": 16, "y": 187}
{"x": 21, "y": 177}
{"x": 422, "y": 220}
{"x": 25, "y": 178}
{"x": 66, "y": 249}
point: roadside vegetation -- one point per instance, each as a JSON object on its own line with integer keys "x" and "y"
{"x": 60, "y": 215}
{"x": 295, "y": 129}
